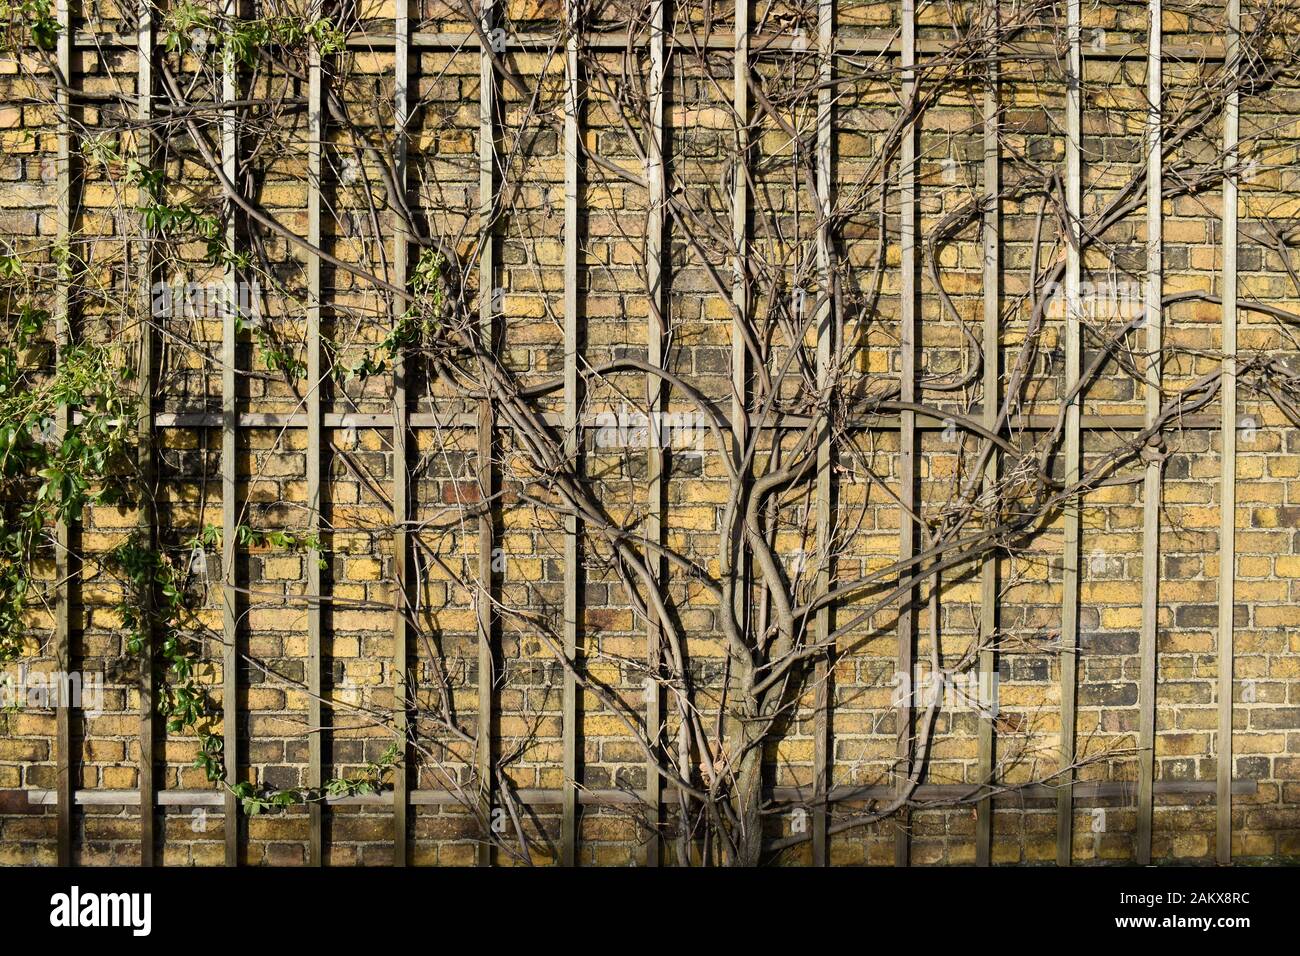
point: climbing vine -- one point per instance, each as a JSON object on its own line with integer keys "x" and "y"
{"x": 189, "y": 27}
{"x": 27, "y": 22}
{"x": 48, "y": 474}
{"x": 51, "y": 472}
{"x": 160, "y": 595}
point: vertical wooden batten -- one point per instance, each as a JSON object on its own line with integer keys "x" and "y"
{"x": 907, "y": 425}
{"x": 487, "y": 277}
{"x": 740, "y": 243}
{"x": 402, "y": 597}
{"x": 229, "y": 451}
{"x": 655, "y": 333}
{"x": 64, "y": 764}
{"x": 315, "y": 382}
{"x": 826, "y": 342}
{"x": 145, "y": 146}
{"x": 1151, "y": 489}
{"x": 1070, "y": 554}
{"x": 991, "y": 232}
{"x": 1228, "y": 438}
{"x": 573, "y": 441}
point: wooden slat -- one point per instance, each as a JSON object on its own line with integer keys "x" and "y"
{"x": 1070, "y": 555}
{"x": 1152, "y": 318}
{"x": 822, "y": 624}
{"x": 740, "y": 567}
{"x": 229, "y": 451}
{"x": 146, "y": 151}
{"x": 315, "y": 170}
{"x": 487, "y": 276}
{"x": 1228, "y": 437}
{"x": 573, "y": 442}
{"x": 63, "y": 334}
{"x": 768, "y": 44}
{"x": 992, "y": 226}
{"x": 907, "y": 423}
{"x": 655, "y": 332}
{"x": 1115, "y": 790}
{"x": 401, "y": 422}
{"x": 456, "y": 420}
{"x": 740, "y": 241}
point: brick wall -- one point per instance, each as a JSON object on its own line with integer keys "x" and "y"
{"x": 527, "y": 728}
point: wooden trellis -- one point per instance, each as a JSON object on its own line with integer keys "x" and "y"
{"x": 910, "y": 52}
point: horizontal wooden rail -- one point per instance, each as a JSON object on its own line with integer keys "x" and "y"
{"x": 759, "y": 43}
{"x": 468, "y": 420}
{"x": 1103, "y": 790}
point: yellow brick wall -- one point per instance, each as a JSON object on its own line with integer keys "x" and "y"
{"x": 527, "y": 729}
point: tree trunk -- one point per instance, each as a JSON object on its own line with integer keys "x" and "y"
{"x": 748, "y": 802}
